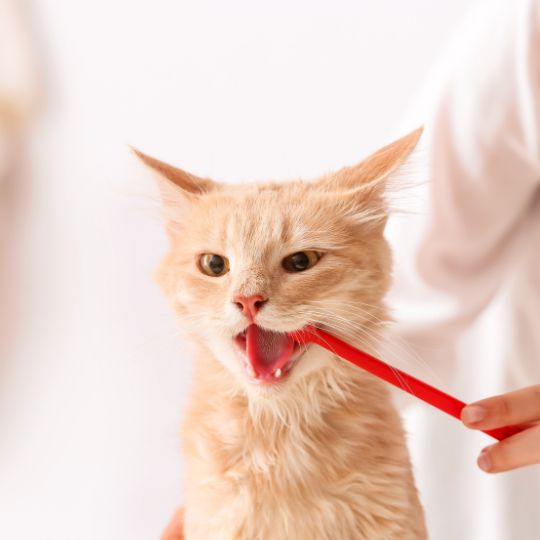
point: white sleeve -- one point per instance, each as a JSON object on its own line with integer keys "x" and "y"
{"x": 482, "y": 149}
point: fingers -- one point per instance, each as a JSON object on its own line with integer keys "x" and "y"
{"x": 175, "y": 529}
{"x": 517, "y": 451}
{"x": 519, "y": 407}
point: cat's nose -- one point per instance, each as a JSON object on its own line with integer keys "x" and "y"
{"x": 250, "y": 305}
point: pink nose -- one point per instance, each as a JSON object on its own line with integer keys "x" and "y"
{"x": 250, "y": 305}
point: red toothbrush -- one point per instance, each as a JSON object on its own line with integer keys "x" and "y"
{"x": 402, "y": 380}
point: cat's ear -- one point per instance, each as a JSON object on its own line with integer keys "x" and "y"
{"x": 177, "y": 188}
{"x": 167, "y": 175}
{"x": 362, "y": 187}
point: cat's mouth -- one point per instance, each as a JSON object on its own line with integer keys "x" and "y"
{"x": 268, "y": 356}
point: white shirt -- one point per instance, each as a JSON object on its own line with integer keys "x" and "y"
{"x": 467, "y": 267}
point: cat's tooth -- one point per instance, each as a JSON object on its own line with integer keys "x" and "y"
{"x": 250, "y": 370}
{"x": 277, "y": 373}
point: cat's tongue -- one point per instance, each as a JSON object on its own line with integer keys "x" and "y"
{"x": 268, "y": 351}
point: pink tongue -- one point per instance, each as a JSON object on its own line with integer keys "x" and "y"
{"x": 267, "y": 350}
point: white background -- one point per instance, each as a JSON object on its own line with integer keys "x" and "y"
{"x": 94, "y": 381}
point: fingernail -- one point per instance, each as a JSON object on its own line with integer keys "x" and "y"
{"x": 484, "y": 461}
{"x": 473, "y": 414}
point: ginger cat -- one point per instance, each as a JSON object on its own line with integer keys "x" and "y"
{"x": 284, "y": 442}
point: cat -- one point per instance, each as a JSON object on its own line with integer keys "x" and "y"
{"x": 282, "y": 441}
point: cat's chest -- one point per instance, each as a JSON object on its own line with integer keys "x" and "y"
{"x": 269, "y": 452}
{"x": 291, "y": 473}
{"x": 260, "y": 446}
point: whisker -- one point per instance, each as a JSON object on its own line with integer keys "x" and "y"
{"x": 404, "y": 384}
{"x": 393, "y": 347}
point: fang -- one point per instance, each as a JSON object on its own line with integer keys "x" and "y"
{"x": 277, "y": 373}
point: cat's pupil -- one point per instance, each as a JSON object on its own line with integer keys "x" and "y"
{"x": 216, "y": 264}
{"x": 300, "y": 261}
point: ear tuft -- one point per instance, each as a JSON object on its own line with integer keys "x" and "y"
{"x": 361, "y": 188}
{"x": 188, "y": 182}
{"x": 372, "y": 172}
{"x": 178, "y": 190}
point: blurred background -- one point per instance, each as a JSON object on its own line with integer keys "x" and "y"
{"x": 93, "y": 379}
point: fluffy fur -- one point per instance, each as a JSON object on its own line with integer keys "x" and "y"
{"x": 321, "y": 454}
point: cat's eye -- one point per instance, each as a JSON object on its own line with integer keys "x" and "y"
{"x": 301, "y": 260}
{"x": 213, "y": 265}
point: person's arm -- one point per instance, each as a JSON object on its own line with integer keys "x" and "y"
{"x": 175, "y": 528}
{"x": 482, "y": 142}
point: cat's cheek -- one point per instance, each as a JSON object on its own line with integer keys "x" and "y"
{"x": 183, "y": 298}
{"x": 314, "y": 359}
{"x": 225, "y": 352}
{"x": 233, "y": 318}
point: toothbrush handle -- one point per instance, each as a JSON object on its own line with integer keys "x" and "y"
{"x": 435, "y": 397}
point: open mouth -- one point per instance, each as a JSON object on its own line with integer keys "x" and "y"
{"x": 268, "y": 356}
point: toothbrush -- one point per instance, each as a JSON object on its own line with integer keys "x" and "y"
{"x": 421, "y": 390}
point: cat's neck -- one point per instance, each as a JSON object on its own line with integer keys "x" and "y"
{"x": 304, "y": 402}
{"x": 330, "y": 410}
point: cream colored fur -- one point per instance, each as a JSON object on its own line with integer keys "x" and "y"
{"x": 321, "y": 455}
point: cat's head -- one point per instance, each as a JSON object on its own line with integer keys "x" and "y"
{"x": 250, "y": 264}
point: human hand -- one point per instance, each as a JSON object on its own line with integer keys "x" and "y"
{"x": 520, "y": 408}
{"x": 175, "y": 528}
